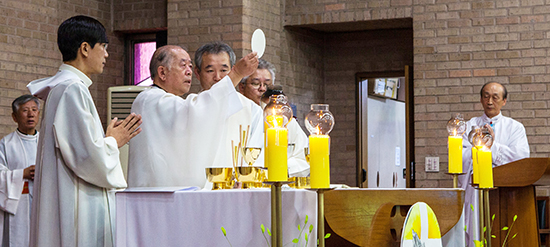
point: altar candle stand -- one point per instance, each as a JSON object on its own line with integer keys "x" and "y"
{"x": 485, "y": 164}
{"x": 319, "y": 122}
{"x": 277, "y": 114}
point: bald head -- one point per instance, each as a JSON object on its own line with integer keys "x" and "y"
{"x": 171, "y": 69}
{"x": 163, "y": 56}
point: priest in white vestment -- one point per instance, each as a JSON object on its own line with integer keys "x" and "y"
{"x": 510, "y": 144}
{"x": 181, "y": 137}
{"x": 214, "y": 61}
{"x": 77, "y": 163}
{"x": 17, "y": 157}
{"x": 254, "y": 87}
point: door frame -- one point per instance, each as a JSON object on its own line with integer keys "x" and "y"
{"x": 362, "y": 160}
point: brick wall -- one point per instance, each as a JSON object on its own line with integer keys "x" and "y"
{"x": 29, "y": 50}
{"x": 344, "y": 55}
{"x": 139, "y": 14}
{"x": 457, "y": 47}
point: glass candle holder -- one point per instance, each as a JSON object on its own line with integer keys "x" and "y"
{"x": 456, "y": 128}
{"x": 277, "y": 115}
{"x": 319, "y": 122}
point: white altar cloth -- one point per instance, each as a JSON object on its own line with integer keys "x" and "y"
{"x": 194, "y": 218}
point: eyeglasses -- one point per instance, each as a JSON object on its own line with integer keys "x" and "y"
{"x": 257, "y": 85}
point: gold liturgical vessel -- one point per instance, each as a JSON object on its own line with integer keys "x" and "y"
{"x": 220, "y": 177}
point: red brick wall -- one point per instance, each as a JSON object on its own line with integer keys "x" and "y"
{"x": 29, "y": 51}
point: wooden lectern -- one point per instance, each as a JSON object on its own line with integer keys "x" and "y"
{"x": 515, "y": 195}
{"x": 375, "y": 217}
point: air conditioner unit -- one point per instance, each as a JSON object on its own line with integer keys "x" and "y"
{"x": 119, "y": 104}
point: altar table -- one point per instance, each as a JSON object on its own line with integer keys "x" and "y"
{"x": 194, "y": 218}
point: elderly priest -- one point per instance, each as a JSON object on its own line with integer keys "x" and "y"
{"x": 17, "y": 157}
{"x": 181, "y": 136}
{"x": 510, "y": 144}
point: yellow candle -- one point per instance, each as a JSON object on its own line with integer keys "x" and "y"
{"x": 475, "y": 166}
{"x": 274, "y": 121}
{"x": 485, "y": 164}
{"x": 276, "y": 154}
{"x": 455, "y": 154}
{"x": 319, "y": 161}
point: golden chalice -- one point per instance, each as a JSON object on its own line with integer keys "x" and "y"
{"x": 220, "y": 177}
{"x": 250, "y": 176}
{"x": 251, "y": 154}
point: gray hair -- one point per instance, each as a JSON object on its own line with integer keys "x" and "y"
{"x": 214, "y": 48}
{"x": 22, "y": 100}
{"x": 263, "y": 64}
{"x": 163, "y": 56}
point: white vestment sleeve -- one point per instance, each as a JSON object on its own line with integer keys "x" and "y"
{"x": 297, "y": 164}
{"x": 11, "y": 183}
{"x": 81, "y": 141}
{"x": 516, "y": 149}
{"x": 256, "y": 138}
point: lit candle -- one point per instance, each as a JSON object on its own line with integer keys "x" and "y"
{"x": 455, "y": 154}
{"x": 475, "y": 165}
{"x": 274, "y": 121}
{"x": 276, "y": 154}
{"x": 485, "y": 164}
{"x": 319, "y": 161}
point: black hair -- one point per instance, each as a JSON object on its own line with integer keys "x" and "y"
{"x": 274, "y": 90}
{"x": 22, "y": 100}
{"x": 77, "y": 30}
{"x": 216, "y": 47}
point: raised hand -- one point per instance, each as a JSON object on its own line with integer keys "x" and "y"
{"x": 244, "y": 67}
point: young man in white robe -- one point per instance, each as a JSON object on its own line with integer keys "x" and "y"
{"x": 254, "y": 87}
{"x": 17, "y": 157}
{"x": 214, "y": 61}
{"x": 181, "y": 137}
{"x": 509, "y": 144}
{"x": 77, "y": 163}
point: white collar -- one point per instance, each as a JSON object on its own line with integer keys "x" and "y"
{"x": 83, "y": 77}
{"x": 491, "y": 120}
{"x": 25, "y": 136}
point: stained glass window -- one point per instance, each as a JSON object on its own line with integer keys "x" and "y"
{"x": 142, "y": 57}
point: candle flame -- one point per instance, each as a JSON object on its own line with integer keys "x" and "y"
{"x": 454, "y": 132}
{"x": 318, "y": 130}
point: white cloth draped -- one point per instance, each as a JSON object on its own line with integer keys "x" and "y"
{"x": 76, "y": 165}
{"x": 195, "y": 218}
{"x": 17, "y": 152}
{"x": 180, "y": 137}
{"x": 250, "y": 115}
{"x": 510, "y": 144}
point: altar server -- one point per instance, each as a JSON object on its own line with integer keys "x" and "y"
{"x": 181, "y": 137}
{"x": 254, "y": 87}
{"x": 17, "y": 157}
{"x": 509, "y": 144}
{"x": 77, "y": 163}
{"x": 213, "y": 62}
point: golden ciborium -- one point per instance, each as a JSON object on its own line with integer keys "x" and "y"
{"x": 250, "y": 176}
{"x": 299, "y": 182}
{"x": 220, "y": 177}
